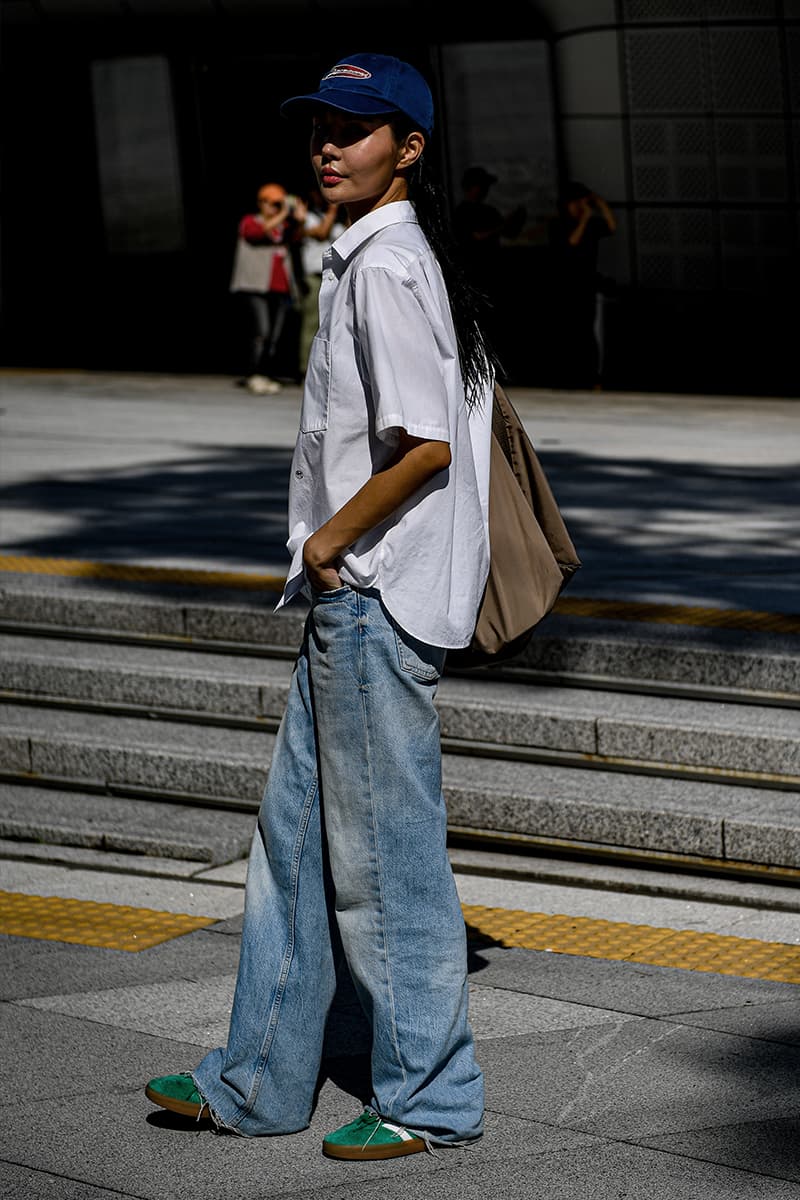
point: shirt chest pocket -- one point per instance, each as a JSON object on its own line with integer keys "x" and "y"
{"x": 316, "y": 392}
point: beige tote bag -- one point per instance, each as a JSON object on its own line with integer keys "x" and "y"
{"x": 532, "y": 557}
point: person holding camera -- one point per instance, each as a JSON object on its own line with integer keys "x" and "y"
{"x": 584, "y": 220}
{"x": 264, "y": 277}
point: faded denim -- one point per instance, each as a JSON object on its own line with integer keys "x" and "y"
{"x": 350, "y": 854}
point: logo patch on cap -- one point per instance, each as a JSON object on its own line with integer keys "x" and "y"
{"x": 348, "y": 71}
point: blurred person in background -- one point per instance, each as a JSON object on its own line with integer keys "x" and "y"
{"x": 480, "y": 229}
{"x": 584, "y": 219}
{"x": 264, "y": 277}
{"x": 323, "y": 224}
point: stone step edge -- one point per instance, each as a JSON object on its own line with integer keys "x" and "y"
{"x": 643, "y": 685}
{"x": 532, "y": 860}
{"x": 133, "y": 843}
{"x": 519, "y": 843}
{"x": 458, "y": 835}
{"x": 239, "y": 785}
{"x": 455, "y": 746}
{"x": 648, "y": 682}
{"x": 211, "y": 583}
{"x": 651, "y": 680}
{"x": 181, "y": 633}
{"x": 182, "y": 621}
{"x": 508, "y": 751}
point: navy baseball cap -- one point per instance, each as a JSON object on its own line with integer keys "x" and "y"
{"x": 369, "y": 84}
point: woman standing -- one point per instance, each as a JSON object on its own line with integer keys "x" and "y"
{"x": 388, "y": 531}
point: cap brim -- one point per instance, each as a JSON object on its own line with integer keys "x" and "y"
{"x": 351, "y": 102}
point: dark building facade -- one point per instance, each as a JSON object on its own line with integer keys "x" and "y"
{"x": 136, "y": 133}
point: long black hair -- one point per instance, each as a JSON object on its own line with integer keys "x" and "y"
{"x": 478, "y": 358}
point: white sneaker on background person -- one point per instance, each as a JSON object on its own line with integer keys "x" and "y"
{"x": 260, "y": 385}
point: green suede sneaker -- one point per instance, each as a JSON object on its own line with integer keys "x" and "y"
{"x": 178, "y": 1094}
{"x": 369, "y": 1136}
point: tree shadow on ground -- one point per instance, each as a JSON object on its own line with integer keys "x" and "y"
{"x": 640, "y": 525}
{"x": 224, "y": 508}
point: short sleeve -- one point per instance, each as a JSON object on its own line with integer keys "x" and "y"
{"x": 398, "y": 330}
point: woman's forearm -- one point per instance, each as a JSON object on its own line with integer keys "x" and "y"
{"x": 415, "y": 463}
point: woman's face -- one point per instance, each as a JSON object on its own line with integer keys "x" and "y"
{"x": 356, "y": 159}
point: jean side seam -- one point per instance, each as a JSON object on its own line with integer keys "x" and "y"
{"x": 288, "y": 956}
{"x": 364, "y": 687}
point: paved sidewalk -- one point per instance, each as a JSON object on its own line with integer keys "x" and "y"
{"x": 605, "y": 1078}
{"x": 678, "y": 499}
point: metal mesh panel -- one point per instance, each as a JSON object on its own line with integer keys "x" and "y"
{"x": 652, "y": 183}
{"x": 738, "y": 229}
{"x": 698, "y": 271}
{"x": 793, "y": 52}
{"x": 657, "y": 270}
{"x": 752, "y": 160}
{"x": 694, "y": 183}
{"x": 649, "y": 137}
{"x": 731, "y": 10}
{"x": 691, "y": 137}
{"x": 694, "y": 227}
{"x": 769, "y": 139}
{"x": 755, "y": 248}
{"x": 666, "y": 71}
{"x": 746, "y": 70}
{"x": 671, "y": 160}
{"x": 654, "y": 228}
{"x": 732, "y": 137}
{"x": 734, "y": 183}
{"x": 677, "y": 76}
{"x": 675, "y": 248}
{"x": 659, "y": 10}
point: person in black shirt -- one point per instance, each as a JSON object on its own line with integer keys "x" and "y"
{"x": 583, "y": 220}
{"x": 479, "y": 229}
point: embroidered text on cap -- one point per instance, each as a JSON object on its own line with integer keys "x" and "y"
{"x": 349, "y": 72}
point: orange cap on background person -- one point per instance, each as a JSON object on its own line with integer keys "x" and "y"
{"x": 273, "y": 193}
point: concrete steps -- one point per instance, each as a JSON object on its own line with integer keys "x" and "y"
{"x": 181, "y": 762}
{"x": 724, "y": 663}
{"x": 177, "y": 763}
{"x": 515, "y": 718}
{"x": 130, "y": 718}
{"x": 100, "y": 820}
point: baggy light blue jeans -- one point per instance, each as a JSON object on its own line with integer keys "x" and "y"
{"x": 349, "y": 855}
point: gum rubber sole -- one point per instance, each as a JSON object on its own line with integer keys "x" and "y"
{"x": 367, "y": 1153}
{"x": 185, "y": 1107}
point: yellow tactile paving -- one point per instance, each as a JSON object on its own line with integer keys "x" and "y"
{"x": 618, "y": 940}
{"x": 89, "y": 923}
{"x": 121, "y": 927}
{"x": 572, "y": 606}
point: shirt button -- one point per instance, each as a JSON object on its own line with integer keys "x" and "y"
{"x": 298, "y": 474}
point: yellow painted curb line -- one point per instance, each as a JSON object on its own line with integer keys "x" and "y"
{"x": 131, "y": 573}
{"x": 568, "y": 606}
{"x": 678, "y": 614}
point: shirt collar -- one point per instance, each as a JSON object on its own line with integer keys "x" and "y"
{"x": 353, "y": 238}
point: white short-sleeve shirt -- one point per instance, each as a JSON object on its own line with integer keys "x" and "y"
{"x": 385, "y": 359}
